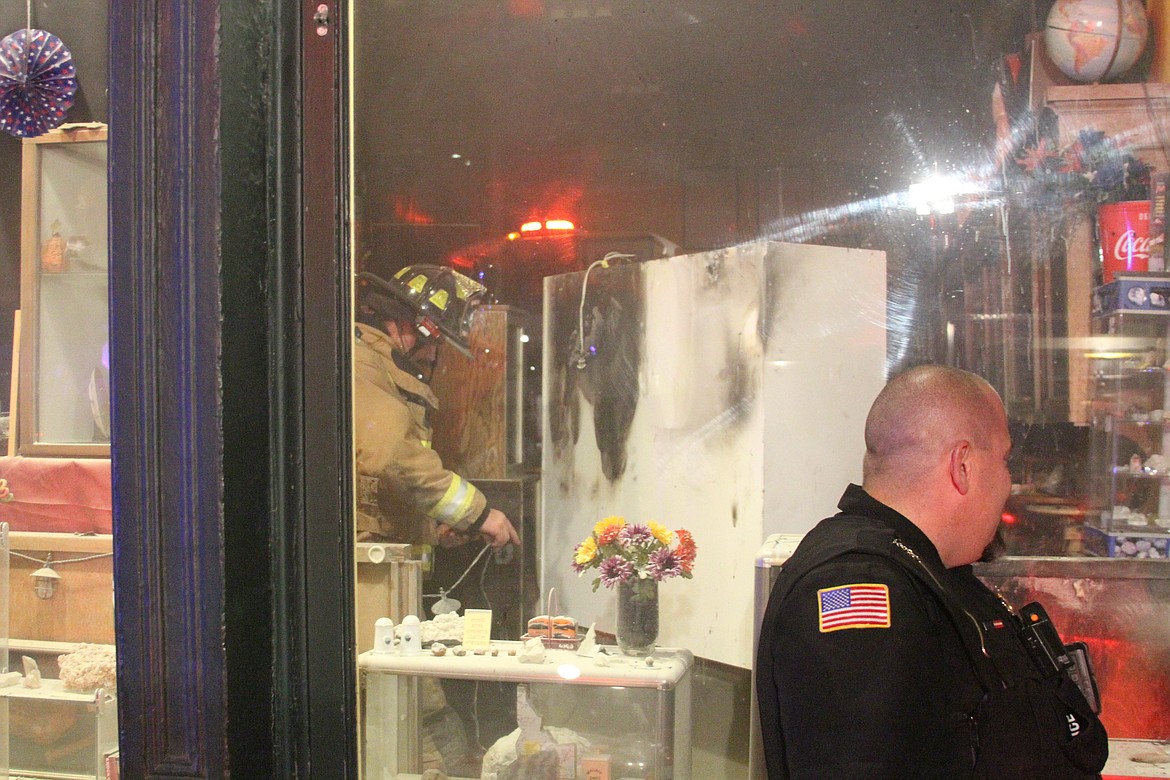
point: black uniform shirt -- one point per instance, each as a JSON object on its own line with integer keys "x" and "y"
{"x": 864, "y": 673}
{"x": 866, "y": 702}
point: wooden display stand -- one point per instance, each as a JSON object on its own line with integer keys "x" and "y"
{"x": 479, "y": 429}
{"x": 59, "y": 507}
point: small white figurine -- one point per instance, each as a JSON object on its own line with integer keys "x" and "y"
{"x": 411, "y": 636}
{"x": 383, "y": 635}
{"x": 32, "y": 673}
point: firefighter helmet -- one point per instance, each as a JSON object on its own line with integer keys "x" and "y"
{"x": 442, "y": 300}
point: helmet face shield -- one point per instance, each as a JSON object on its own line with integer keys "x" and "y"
{"x": 439, "y": 297}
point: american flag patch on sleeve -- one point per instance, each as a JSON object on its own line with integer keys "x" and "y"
{"x": 854, "y": 606}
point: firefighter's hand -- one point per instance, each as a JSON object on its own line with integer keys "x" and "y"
{"x": 497, "y": 529}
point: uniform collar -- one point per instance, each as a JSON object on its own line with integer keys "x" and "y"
{"x": 406, "y": 364}
{"x": 394, "y": 361}
{"x": 855, "y": 501}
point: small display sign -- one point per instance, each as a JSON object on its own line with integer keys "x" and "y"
{"x": 477, "y": 629}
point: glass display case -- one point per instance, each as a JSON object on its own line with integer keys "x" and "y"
{"x": 58, "y": 733}
{"x": 63, "y": 395}
{"x": 1130, "y": 433}
{"x": 489, "y": 715}
{"x": 47, "y": 729}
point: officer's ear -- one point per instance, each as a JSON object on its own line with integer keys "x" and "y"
{"x": 959, "y": 466}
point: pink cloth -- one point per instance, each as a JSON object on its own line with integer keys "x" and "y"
{"x": 61, "y": 495}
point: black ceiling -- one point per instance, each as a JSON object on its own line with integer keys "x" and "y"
{"x": 836, "y": 78}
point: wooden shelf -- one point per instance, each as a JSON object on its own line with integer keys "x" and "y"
{"x": 1106, "y": 92}
{"x": 57, "y": 542}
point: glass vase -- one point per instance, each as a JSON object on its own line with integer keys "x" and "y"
{"x": 637, "y": 617}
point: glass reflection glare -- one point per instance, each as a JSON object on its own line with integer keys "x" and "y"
{"x": 935, "y": 195}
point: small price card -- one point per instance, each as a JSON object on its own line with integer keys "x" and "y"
{"x": 477, "y": 628}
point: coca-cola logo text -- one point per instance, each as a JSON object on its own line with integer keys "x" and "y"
{"x": 1130, "y": 244}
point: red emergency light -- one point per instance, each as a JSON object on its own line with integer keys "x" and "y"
{"x": 548, "y": 224}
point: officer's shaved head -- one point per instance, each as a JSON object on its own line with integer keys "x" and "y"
{"x": 918, "y": 416}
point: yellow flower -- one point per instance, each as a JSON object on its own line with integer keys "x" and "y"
{"x": 661, "y": 533}
{"x": 610, "y": 522}
{"x": 586, "y": 552}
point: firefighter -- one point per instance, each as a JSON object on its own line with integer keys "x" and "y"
{"x": 405, "y": 494}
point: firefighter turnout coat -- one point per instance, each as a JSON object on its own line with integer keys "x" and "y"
{"x": 403, "y": 489}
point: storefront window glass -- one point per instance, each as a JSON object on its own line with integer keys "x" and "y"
{"x": 708, "y": 232}
{"x": 58, "y": 709}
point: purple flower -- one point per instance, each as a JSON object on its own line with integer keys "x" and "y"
{"x": 578, "y": 567}
{"x": 664, "y": 563}
{"x": 615, "y": 569}
{"x": 635, "y": 536}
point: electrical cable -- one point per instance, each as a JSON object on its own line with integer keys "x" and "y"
{"x": 604, "y": 263}
{"x": 59, "y": 562}
{"x": 475, "y": 698}
{"x": 461, "y": 576}
{"x": 483, "y": 590}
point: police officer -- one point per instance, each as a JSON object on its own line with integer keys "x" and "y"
{"x": 405, "y": 494}
{"x": 881, "y": 655}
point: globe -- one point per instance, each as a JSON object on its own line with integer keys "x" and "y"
{"x": 1090, "y": 40}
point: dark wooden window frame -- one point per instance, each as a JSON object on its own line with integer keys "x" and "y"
{"x": 231, "y": 443}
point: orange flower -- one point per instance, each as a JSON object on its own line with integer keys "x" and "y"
{"x": 686, "y": 549}
{"x": 607, "y": 530}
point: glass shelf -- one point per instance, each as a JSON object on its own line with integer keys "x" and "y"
{"x": 1125, "y": 472}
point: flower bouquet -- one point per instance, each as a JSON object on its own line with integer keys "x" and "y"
{"x": 634, "y": 558}
{"x": 636, "y": 554}
{"x": 1092, "y": 170}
